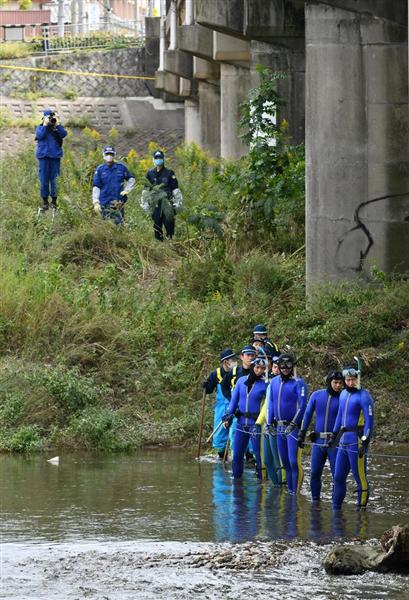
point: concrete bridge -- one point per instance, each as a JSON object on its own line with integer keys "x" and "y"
{"x": 346, "y": 96}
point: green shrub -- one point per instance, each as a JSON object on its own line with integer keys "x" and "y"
{"x": 14, "y": 50}
{"x": 70, "y": 390}
{"x": 25, "y": 439}
{"x": 99, "y": 429}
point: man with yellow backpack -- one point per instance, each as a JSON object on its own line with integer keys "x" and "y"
{"x": 212, "y": 383}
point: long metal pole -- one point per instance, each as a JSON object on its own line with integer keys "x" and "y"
{"x": 199, "y": 447}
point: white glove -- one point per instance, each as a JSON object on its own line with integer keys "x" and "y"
{"x": 177, "y": 198}
{"x": 46, "y": 121}
{"x": 97, "y": 208}
{"x": 124, "y": 193}
{"x": 144, "y": 200}
{"x": 129, "y": 185}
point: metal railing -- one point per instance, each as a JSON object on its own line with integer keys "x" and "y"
{"x": 96, "y": 35}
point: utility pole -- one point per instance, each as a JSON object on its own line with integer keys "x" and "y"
{"x": 173, "y": 24}
{"x": 60, "y": 18}
{"x": 107, "y": 13}
{"x": 162, "y": 39}
{"x": 189, "y": 19}
{"x": 81, "y": 15}
{"x": 136, "y": 16}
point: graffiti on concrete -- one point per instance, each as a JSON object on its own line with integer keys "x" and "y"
{"x": 361, "y": 227}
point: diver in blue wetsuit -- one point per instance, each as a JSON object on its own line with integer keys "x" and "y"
{"x": 213, "y": 382}
{"x": 352, "y": 452}
{"x": 247, "y": 355}
{"x": 325, "y": 404}
{"x": 245, "y": 404}
{"x": 285, "y": 410}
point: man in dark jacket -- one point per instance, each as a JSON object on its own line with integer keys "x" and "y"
{"x": 161, "y": 197}
{"x": 49, "y": 136}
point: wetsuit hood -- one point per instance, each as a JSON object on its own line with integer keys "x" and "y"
{"x": 333, "y": 392}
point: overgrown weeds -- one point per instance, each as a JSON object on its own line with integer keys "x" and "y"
{"x": 106, "y": 334}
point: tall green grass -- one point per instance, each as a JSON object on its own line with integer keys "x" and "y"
{"x": 106, "y": 334}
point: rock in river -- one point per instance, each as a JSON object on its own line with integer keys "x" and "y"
{"x": 392, "y": 554}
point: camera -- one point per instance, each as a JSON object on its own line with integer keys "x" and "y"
{"x": 53, "y": 119}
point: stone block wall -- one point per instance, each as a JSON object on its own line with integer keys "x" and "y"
{"x": 124, "y": 61}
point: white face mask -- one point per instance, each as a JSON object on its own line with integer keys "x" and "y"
{"x": 233, "y": 364}
{"x": 109, "y": 158}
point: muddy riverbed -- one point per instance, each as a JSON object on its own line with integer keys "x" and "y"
{"x": 158, "y": 525}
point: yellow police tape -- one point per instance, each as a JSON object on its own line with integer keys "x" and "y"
{"x": 82, "y": 73}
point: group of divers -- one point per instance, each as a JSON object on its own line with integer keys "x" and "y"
{"x": 262, "y": 409}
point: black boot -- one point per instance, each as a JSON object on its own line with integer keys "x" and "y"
{"x": 222, "y": 453}
{"x": 250, "y": 458}
{"x": 54, "y": 202}
{"x": 45, "y": 204}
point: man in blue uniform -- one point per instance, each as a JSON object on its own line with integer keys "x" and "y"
{"x": 260, "y": 333}
{"x": 161, "y": 197}
{"x": 285, "y": 410}
{"x": 325, "y": 404}
{"x": 213, "y": 382}
{"x": 245, "y": 404}
{"x": 352, "y": 452}
{"x": 112, "y": 183}
{"x": 49, "y": 137}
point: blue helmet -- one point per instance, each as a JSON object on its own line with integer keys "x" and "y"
{"x": 109, "y": 150}
{"x": 248, "y": 349}
{"x": 48, "y": 112}
{"x": 227, "y": 353}
{"x": 260, "y": 330}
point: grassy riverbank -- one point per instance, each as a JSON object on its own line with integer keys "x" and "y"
{"x": 106, "y": 335}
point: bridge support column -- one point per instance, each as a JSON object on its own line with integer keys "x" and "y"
{"x": 356, "y": 145}
{"x": 209, "y": 113}
{"x": 192, "y": 122}
{"x": 235, "y": 83}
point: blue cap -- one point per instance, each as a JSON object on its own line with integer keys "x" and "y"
{"x": 109, "y": 150}
{"x": 260, "y": 329}
{"x": 48, "y": 111}
{"x": 158, "y": 154}
{"x": 227, "y": 353}
{"x": 248, "y": 350}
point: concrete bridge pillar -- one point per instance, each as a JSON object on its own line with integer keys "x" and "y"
{"x": 192, "y": 122}
{"x": 209, "y": 116}
{"x": 357, "y": 202}
{"x": 235, "y": 83}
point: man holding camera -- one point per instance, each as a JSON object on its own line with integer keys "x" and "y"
{"x": 49, "y": 136}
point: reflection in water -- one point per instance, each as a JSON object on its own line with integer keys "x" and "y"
{"x": 246, "y": 509}
{"x": 156, "y": 495}
{"x": 82, "y": 529}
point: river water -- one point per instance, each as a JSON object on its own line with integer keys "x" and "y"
{"x": 124, "y": 527}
